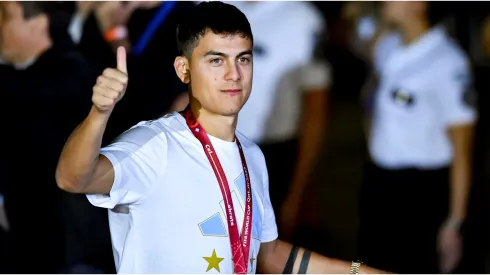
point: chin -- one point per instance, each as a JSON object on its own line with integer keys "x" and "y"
{"x": 230, "y": 111}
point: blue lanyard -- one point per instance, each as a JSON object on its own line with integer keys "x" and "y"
{"x": 156, "y": 21}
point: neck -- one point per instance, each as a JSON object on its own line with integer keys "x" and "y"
{"x": 414, "y": 30}
{"x": 222, "y": 127}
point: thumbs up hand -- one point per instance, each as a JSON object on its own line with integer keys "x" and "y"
{"x": 111, "y": 85}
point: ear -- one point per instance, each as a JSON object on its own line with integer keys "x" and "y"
{"x": 181, "y": 65}
{"x": 40, "y": 24}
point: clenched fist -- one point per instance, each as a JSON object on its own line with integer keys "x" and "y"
{"x": 111, "y": 85}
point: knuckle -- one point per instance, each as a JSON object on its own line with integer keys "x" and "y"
{"x": 120, "y": 87}
{"x": 107, "y": 71}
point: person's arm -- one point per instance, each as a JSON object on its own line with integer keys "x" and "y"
{"x": 461, "y": 169}
{"x": 278, "y": 257}
{"x": 458, "y": 100}
{"x": 112, "y": 18}
{"x": 316, "y": 80}
{"x": 275, "y": 254}
{"x": 316, "y": 83}
{"x": 80, "y": 168}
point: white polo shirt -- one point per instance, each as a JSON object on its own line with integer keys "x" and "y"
{"x": 167, "y": 210}
{"x": 285, "y": 34}
{"x": 424, "y": 88}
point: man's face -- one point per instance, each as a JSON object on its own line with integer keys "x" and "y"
{"x": 401, "y": 12}
{"x": 17, "y": 35}
{"x": 221, "y": 71}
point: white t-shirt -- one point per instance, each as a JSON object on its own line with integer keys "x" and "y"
{"x": 167, "y": 208}
{"x": 285, "y": 36}
{"x": 424, "y": 88}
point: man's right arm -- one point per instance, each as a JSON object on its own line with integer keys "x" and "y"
{"x": 81, "y": 168}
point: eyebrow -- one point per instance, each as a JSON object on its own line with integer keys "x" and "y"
{"x": 216, "y": 53}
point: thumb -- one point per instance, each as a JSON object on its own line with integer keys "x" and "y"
{"x": 121, "y": 60}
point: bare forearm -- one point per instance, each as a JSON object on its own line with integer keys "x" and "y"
{"x": 460, "y": 185}
{"x": 310, "y": 138}
{"x": 80, "y": 155}
{"x": 310, "y": 143}
{"x": 460, "y": 177}
{"x": 275, "y": 261}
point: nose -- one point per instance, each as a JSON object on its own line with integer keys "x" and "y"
{"x": 233, "y": 72}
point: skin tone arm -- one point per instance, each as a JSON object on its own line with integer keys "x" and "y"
{"x": 310, "y": 142}
{"x": 273, "y": 258}
{"x": 462, "y": 140}
{"x": 81, "y": 169}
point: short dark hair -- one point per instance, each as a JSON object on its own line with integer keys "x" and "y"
{"x": 215, "y": 16}
{"x": 33, "y": 8}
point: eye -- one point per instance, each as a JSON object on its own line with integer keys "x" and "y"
{"x": 215, "y": 61}
{"x": 244, "y": 60}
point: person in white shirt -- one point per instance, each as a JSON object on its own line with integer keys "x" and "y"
{"x": 415, "y": 191}
{"x": 180, "y": 193}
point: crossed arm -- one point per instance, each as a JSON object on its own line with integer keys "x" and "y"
{"x": 278, "y": 257}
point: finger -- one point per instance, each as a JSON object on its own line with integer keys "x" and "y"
{"x": 112, "y": 84}
{"x": 104, "y": 92}
{"x": 121, "y": 60}
{"x": 116, "y": 75}
{"x": 101, "y": 101}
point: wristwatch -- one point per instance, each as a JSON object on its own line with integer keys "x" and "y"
{"x": 355, "y": 267}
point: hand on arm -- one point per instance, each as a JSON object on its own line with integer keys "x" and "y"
{"x": 81, "y": 169}
{"x": 450, "y": 239}
{"x": 278, "y": 257}
{"x": 112, "y": 17}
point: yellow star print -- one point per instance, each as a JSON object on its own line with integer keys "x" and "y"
{"x": 213, "y": 261}
{"x": 252, "y": 259}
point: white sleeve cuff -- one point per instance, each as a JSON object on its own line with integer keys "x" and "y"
{"x": 270, "y": 237}
{"x": 116, "y": 193}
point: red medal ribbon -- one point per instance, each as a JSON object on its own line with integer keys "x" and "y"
{"x": 240, "y": 246}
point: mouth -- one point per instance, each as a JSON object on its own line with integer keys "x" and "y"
{"x": 232, "y": 91}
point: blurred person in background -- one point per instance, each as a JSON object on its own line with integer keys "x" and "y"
{"x": 415, "y": 191}
{"x": 144, "y": 28}
{"x": 45, "y": 91}
{"x": 286, "y": 114}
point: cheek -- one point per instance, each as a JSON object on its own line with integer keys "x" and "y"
{"x": 10, "y": 39}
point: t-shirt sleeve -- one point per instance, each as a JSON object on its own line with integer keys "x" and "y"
{"x": 315, "y": 76}
{"x": 139, "y": 158}
{"x": 383, "y": 49}
{"x": 456, "y": 94}
{"x": 269, "y": 226}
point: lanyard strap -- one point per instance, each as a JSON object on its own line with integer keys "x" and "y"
{"x": 240, "y": 247}
{"x": 152, "y": 27}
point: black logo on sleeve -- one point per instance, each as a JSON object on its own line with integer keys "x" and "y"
{"x": 403, "y": 98}
{"x": 470, "y": 96}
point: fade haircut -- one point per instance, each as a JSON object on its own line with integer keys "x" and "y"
{"x": 215, "y": 16}
{"x": 32, "y": 8}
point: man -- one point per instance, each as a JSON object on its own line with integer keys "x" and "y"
{"x": 415, "y": 193}
{"x": 172, "y": 196}
{"x": 34, "y": 75}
